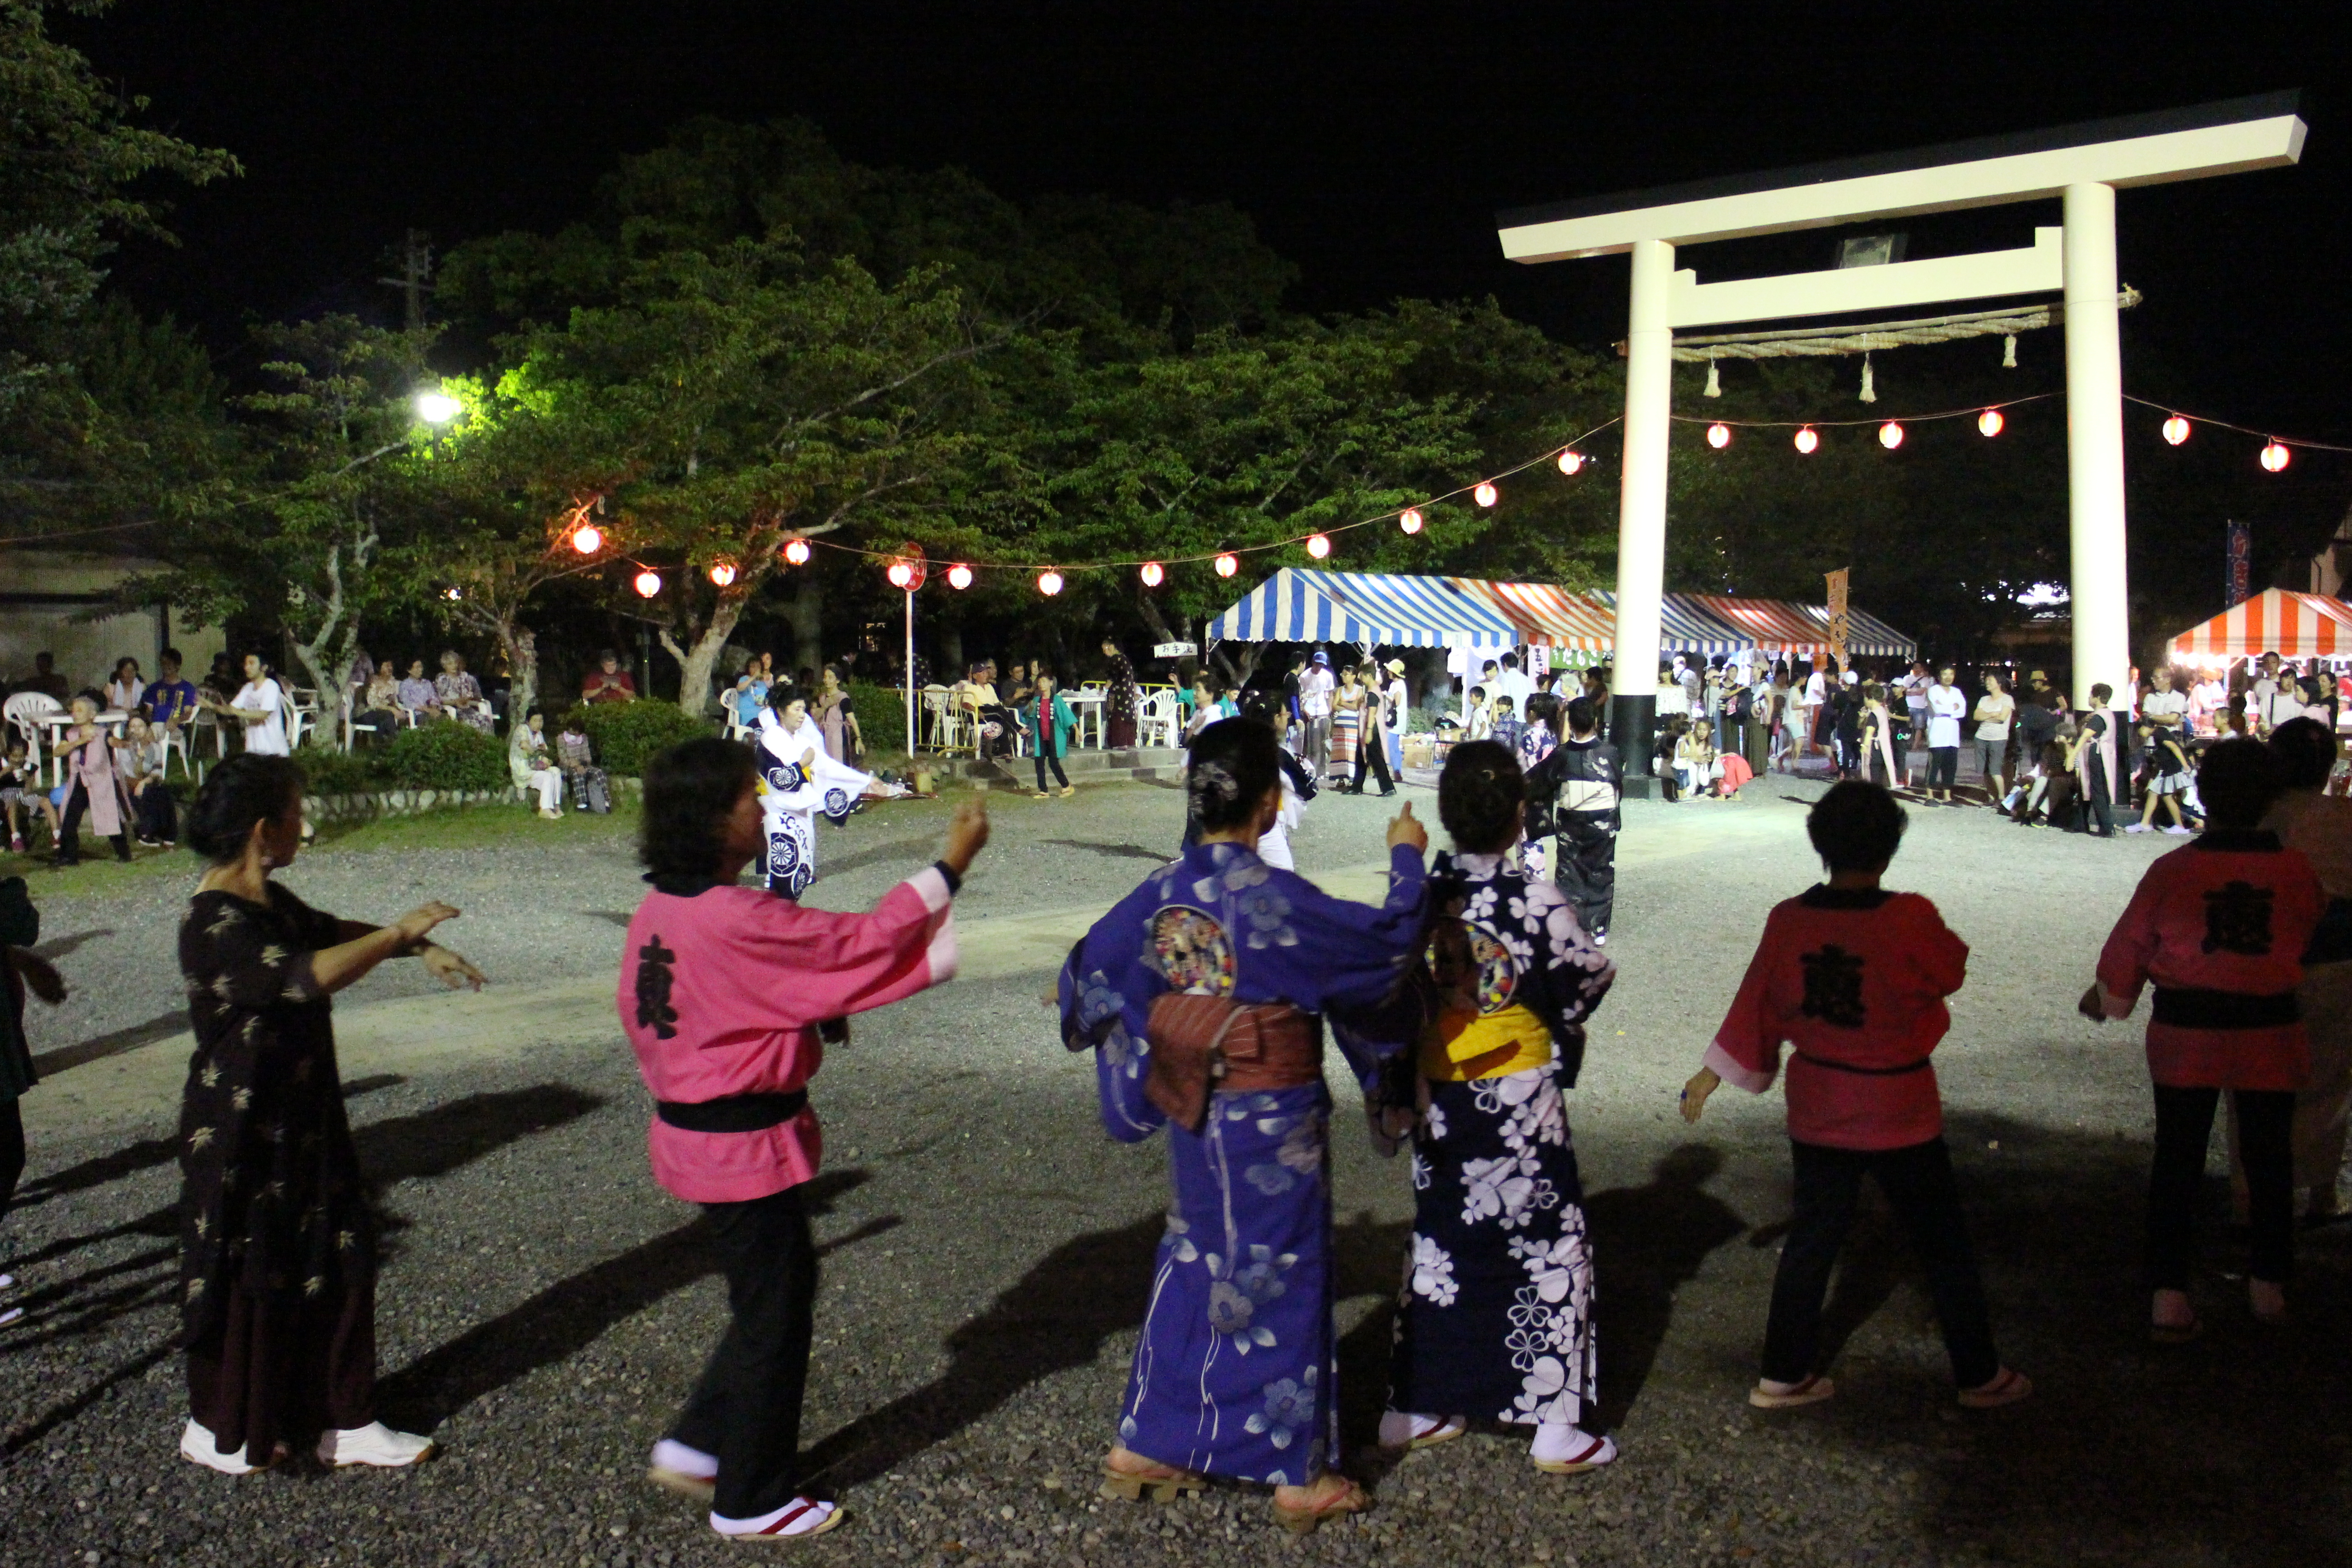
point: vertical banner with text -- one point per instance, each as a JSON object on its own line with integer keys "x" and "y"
{"x": 1838, "y": 622}
{"x": 2241, "y": 566}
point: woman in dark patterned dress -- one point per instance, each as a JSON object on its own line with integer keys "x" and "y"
{"x": 1495, "y": 1319}
{"x": 277, "y": 1241}
{"x": 1118, "y": 702}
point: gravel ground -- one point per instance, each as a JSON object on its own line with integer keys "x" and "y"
{"x": 543, "y": 1307}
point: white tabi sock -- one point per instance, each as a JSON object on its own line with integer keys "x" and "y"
{"x": 669, "y": 1454}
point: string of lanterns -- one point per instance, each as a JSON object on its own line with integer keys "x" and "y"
{"x": 907, "y": 571}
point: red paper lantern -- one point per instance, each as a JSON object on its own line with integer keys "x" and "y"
{"x": 649, "y": 583}
{"x": 1228, "y": 563}
{"x": 902, "y": 575}
{"x": 1989, "y": 422}
{"x": 2176, "y": 431}
{"x": 1570, "y": 460}
{"x": 1318, "y": 546}
{"x": 587, "y": 539}
{"x": 796, "y": 552}
{"x": 959, "y": 576}
{"x": 1486, "y": 494}
{"x": 1807, "y": 440}
{"x": 1153, "y": 573}
{"x": 1719, "y": 436}
{"x": 1049, "y": 582}
{"x": 1890, "y": 434}
{"x": 722, "y": 573}
{"x": 1410, "y": 520}
{"x": 2276, "y": 456}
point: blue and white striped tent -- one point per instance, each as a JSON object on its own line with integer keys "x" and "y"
{"x": 1380, "y": 609}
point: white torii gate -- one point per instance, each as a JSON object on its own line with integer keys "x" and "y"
{"x": 2082, "y": 165}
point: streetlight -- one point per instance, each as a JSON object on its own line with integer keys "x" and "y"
{"x": 437, "y": 407}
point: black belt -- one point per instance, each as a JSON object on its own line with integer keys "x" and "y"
{"x": 736, "y": 1113}
{"x": 1866, "y": 1072}
{"x": 2186, "y": 1008}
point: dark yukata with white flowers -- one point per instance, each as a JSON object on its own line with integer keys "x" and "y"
{"x": 277, "y": 1241}
{"x": 1235, "y": 1374}
{"x": 1494, "y": 1316}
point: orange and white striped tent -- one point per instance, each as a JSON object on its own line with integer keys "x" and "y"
{"x": 2276, "y": 620}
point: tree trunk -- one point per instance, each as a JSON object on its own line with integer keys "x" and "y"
{"x": 695, "y": 663}
{"x": 804, "y": 612}
{"x": 521, "y": 646}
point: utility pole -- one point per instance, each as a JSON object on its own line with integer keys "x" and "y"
{"x": 415, "y": 275}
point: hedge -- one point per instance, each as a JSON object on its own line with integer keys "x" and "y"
{"x": 445, "y": 754}
{"x": 625, "y": 734}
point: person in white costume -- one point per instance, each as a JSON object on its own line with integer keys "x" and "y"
{"x": 797, "y": 780}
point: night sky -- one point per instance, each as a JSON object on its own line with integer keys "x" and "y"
{"x": 1373, "y": 144}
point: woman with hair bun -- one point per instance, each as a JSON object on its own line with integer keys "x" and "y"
{"x": 276, "y": 1242}
{"x": 1496, "y": 1316}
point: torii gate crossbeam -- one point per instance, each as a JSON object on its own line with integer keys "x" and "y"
{"x": 2084, "y": 166}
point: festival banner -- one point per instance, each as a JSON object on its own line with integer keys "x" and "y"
{"x": 1840, "y": 622}
{"x": 2239, "y": 583}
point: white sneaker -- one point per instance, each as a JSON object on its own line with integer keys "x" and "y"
{"x": 196, "y": 1443}
{"x": 802, "y": 1516}
{"x": 374, "y": 1444}
{"x": 1560, "y": 1449}
{"x": 2179, "y": 832}
{"x": 2135, "y": 827}
{"x": 687, "y": 1471}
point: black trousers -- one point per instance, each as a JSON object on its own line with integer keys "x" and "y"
{"x": 747, "y": 1408}
{"x": 159, "y": 816}
{"x": 1372, "y": 752}
{"x": 2184, "y": 1122}
{"x": 12, "y": 1150}
{"x": 2098, "y": 799}
{"x": 1050, "y": 759}
{"x": 1584, "y": 864}
{"x": 1943, "y": 766}
{"x": 1917, "y": 1182}
{"x": 69, "y": 830}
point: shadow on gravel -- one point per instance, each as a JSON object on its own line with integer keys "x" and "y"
{"x": 160, "y": 1027}
{"x": 1648, "y": 1242}
{"x": 571, "y": 1314}
{"x": 59, "y": 947}
{"x": 1113, "y": 851}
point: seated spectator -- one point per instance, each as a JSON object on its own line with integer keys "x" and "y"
{"x": 45, "y": 678}
{"x": 461, "y": 695}
{"x": 608, "y": 682}
{"x": 124, "y": 692}
{"x": 224, "y": 680}
{"x": 379, "y": 703}
{"x": 591, "y": 790}
{"x": 532, "y": 763}
{"x": 21, "y": 795}
{"x": 1698, "y": 767}
{"x": 139, "y": 763}
{"x": 744, "y": 703}
{"x": 170, "y": 702}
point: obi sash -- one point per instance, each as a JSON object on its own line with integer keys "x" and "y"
{"x": 1208, "y": 1044}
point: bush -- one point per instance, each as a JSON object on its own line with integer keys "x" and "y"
{"x": 625, "y": 734}
{"x": 881, "y": 715}
{"x": 445, "y": 754}
{"x": 330, "y": 771}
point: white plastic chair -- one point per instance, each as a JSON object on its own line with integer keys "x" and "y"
{"x": 1155, "y": 721}
{"x": 23, "y": 713}
{"x": 294, "y": 717}
{"x": 174, "y": 738}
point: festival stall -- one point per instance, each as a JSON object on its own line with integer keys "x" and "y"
{"x": 1370, "y": 609}
{"x": 1586, "y": 624}
{"x": 2276, "y": 620}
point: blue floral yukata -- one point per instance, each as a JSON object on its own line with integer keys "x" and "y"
{"x": 1495, "y": 1315}
{"x": 1235, "y": 1374}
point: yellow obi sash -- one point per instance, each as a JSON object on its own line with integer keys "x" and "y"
{"x": 1466, "y": 1044}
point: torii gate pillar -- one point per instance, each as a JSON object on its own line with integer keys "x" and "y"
{"x": 2081, "y": 164}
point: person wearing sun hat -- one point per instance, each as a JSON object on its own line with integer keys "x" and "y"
{"x": 1315, "y": 689}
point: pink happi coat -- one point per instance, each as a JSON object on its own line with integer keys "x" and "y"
{"x": 721, "y": 993}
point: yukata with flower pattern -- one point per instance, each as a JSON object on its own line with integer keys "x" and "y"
{"x": 1495, "y": 1318}
{"x": 1234, "y": 1374}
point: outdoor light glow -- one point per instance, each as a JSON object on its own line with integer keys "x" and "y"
{"x": 1890, "y": 434}
{"x": 1807, "y": 440}
{"x": 2276, "y": 456}
{"x": 1318, "y": 546}
{"x": 1228, "y": 563}
{"x": 1049, "y": 582}
{"x": 796, "y": 552}
{"x": 1484, "y": 495}
{"x": 649, "y": 583}
{"x": 1990, "y": 422}
{"x": 902, "y": 575}
{"x": 2176, "y": 429}
{"x": 437, "y": 407}
{"x": 1719, "y": 437}
{"x": 1570, "y": 460}
{"x": 722, "y": 573}
{"x": 1153, "y": 575}
{"x": 451, "y": 594}
{"x": 1410, "y": 520}
{"x": 959, "y": 576}
{"x": 587, "y": 539}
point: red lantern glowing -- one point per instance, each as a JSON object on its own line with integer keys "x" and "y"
{"x": 1049, "y": 582}
{"x": 1486, "y": 494}
{"x": 902, "y": 575}
{"x": 2276, "y": 456}
{"x": 1410, "y": 520}
{"x": 1153, "y": 573}
{"x": 1890, "y": 434}
{"x": 1719, "y": 436}
{"x": 1989, "y": 422}
{"x": 1228, "y": 563}
{"x": 796, "y": 552}
{"x": 587, "y": 539}
{"x": 649, "y": 583}
{"x": 959, "y": 576}
{"x": 1318, "y": 546}
{"x": 1807, "y": 440}
{"x": 1570, "y": 460}
{"x": 2176, "y": 431}
{"x": 722, "y": 573}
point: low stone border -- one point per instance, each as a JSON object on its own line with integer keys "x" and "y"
{"x": 412, "y": 801}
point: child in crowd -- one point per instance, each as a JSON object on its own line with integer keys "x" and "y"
{"x": 21, "y": 795}
{"x": 1477, "y": 719}
{"x": 2220, "y": 927}
{"x": 1507, "y": 727}
{"x": 139, "y": 758}
{"x": 591, "y": 790}
{"x": 2168, "y": 779}
{"x": 1856, "y": 977}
